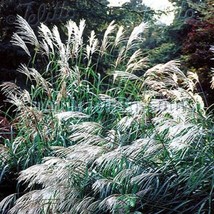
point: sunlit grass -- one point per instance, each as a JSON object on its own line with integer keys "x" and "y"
{"x": 107, "y": 141}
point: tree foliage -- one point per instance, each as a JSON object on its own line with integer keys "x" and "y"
{"x": 193, "y": 31}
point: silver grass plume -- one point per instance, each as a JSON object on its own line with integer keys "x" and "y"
{"x": 119, "y": 36}
{"x": 106, "y": 38}
{"x": 92, "y": 47}
{"x": 18, "y": 41}
{"x": 135, "y": 35}
{"x": 47, "y": 36}
{"x": 24, "y": 35}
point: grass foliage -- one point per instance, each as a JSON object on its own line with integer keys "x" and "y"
{"x": 95, "y": 137}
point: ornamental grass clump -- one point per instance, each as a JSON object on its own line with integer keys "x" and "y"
{"x": 90, "y": 141}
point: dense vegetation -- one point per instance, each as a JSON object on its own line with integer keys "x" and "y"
{"x": 56, "y": 12}
{"x": 103, "y": 127}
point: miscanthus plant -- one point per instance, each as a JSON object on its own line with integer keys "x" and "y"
{"x": 107, "y": 141}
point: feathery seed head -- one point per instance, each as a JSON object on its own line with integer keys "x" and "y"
{"x": 106, "y": 40}
{"x": 119, "y": 36}
{"x": 70, "y": 114}
{"x": 26, "y": 32}
{"x": 18, "y": 41}
{"x": 135, "y": 35}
